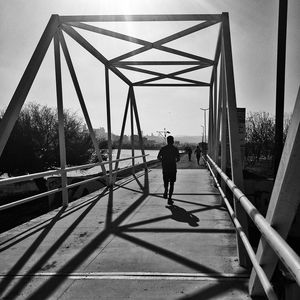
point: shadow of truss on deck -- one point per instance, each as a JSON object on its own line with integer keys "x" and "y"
{"x": 112, "y": 229}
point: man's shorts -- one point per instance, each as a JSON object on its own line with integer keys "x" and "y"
{"x": 169, "y": 176}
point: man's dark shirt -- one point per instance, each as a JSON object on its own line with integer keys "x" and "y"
{"x": 169, "y": 155}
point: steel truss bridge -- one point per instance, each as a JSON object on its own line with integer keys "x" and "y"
{"x": 223, "y": 122}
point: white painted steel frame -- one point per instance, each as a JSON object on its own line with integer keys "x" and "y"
{"x": 12, "y": 112}
{"x": 265, "y": 282}
{"x": 222, "y": 106}
{"x": 67, "y": 24}
{"x": 284, "y": 252}
{"x": 80, "y": 97}
{"x": 285, "y": 200}
{"x": 222, "y": 111}
{"x": 60, "y": 113}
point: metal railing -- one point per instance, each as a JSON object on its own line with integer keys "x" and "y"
{"x": 284, "y": 252}
{"x": 23, "y": 178}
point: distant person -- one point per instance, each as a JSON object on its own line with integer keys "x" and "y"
{"x": 198, "y": 154}
{"x": 189, "y": 151}
{"x": 169, "y": 156}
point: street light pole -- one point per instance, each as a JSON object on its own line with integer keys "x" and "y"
{"x": 204, "y": 110}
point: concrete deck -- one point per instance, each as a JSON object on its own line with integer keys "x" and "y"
{"x": 122, "y": 244}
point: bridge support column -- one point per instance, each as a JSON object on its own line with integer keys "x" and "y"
{"x": 108, "y": 116}
{"x": 122, "y": 132}
{"x": 210, "y": 123}
{"x": 215, "y": 115}
{"x": 138, "y": 126}
{"x": 284, "y": 200}
{"x": 234, "y": 142}
{"x": 60, "y": 112}
{"x": 223, "y": 123}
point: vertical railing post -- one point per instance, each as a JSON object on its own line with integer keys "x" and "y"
{"x": 60, "y": 112}
{"x": 146, "y": 184}
{"x": 234, "y": 141}
{"x": 223, "y": 123}
{"x": 108, "y": 117}
{"x": 12, "y": 112}
{"x": 219, "y": 116}
{"x": 215, "y": 115}
{"x": 122, "y": 130}
{"x": 132, "y": 129}
{"x": 210, "y": 122}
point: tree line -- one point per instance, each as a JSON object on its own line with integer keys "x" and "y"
{"x": 33, "y": 144}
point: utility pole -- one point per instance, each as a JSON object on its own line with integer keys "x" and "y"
{"x": 281, "y": 53}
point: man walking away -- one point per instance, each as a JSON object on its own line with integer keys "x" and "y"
{"x": 169, "y": 156}
{"x": 198, "y": 154}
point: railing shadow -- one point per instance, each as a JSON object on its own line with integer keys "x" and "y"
{"x": 47, "y": 288}
{"x": 68, "y": 211}
{"x": 44, "y": 224}
{"x": 31, "y": 250}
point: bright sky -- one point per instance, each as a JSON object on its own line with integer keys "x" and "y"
{"x": 254, "y": 42}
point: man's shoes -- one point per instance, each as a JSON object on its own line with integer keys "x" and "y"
{"x": 170, "y": 201}
{"x": 165, "y": 195}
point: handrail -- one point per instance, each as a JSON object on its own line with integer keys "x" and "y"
{"x": 29, "y": 199}
{"x": 102, "y": 163}
{"x": 53, "y": 172}
{"x": 58, "y": 171}
{"x": 268, "y": 288}
{"x": 284, "y": 252}
{"x": 28, "y": 177}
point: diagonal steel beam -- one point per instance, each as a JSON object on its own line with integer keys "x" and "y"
{"x": 171, "y": 75}
{"x": 85, "y": 44}
{"x": 160, "y": 75}
{"x": 80, "y": 97}
{"x": 110, "y": 33}
{"x": 136, "y": 69}
{"x": 11, "y": 114}
{"x": 184, "y": 54}
{"x": 158, "y": 44}
{"x": 185, "y": 32}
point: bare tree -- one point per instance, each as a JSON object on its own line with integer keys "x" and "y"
{"x": 260, "y": 132}
{"x": 260, "y": 135}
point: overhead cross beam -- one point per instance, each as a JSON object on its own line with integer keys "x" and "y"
{"x": 146, "y": 45}
{"x": 141, "y": 18}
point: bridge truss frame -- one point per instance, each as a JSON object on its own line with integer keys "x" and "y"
{"x": 222, "y": 99}
{"x": 223, "y": 103}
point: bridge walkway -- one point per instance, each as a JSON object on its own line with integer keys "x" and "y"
{"x": 121, "y": 244}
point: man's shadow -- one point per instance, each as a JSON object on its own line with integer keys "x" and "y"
{"x": 181, "y": 215}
